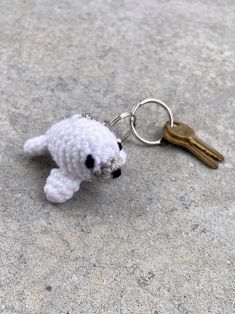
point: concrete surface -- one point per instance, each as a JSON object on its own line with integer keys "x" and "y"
{"x": 161, "y": 238}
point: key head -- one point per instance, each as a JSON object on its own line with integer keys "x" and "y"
{"x": 179, "y": 133}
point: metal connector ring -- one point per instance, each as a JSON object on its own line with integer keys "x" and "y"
{"x": 122, "y": 116}
{"x": 133, "y": 124}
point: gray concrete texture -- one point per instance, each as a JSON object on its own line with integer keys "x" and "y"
{"x": 160, "y": 239}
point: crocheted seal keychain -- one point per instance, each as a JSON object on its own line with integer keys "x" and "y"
{"x": 85, "y": 149}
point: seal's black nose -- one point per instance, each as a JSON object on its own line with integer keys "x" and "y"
{"x": 116, "y": 173}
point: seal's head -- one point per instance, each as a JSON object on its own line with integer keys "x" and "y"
{"x": 101, "y": 154}
{"x": 106, "y": 160}
{"x": 108, "y": 167}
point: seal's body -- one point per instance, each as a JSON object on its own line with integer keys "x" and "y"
{"x": 84, "y": 150}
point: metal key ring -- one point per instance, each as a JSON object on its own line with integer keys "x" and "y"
{"x": 132, "y": 122}
{"x": 123, "y": 116}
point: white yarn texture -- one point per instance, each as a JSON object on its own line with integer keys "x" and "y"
{"x": 69, "y": 142}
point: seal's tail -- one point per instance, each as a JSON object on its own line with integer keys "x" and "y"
{"x": 36, "y": 146}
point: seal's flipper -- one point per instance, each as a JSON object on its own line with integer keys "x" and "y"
{"x": 59, "y": 187}
{"x": 36, "y": 146}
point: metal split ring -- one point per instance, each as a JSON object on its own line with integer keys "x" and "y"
{"x": 133, "y": 121}
{"x": 121, "y": 116}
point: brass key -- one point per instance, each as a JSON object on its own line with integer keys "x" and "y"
{"x": 181, "y": 134}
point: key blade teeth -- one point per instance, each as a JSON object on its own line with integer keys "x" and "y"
{"x": 209, "y": 161}
{"x": 211, "y": 151}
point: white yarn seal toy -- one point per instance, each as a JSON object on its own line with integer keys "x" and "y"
{"x": 85, "y": 149}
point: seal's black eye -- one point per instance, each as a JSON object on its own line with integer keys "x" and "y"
{"x": 90, "y": 162}
{"x": 120, "y": 146}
